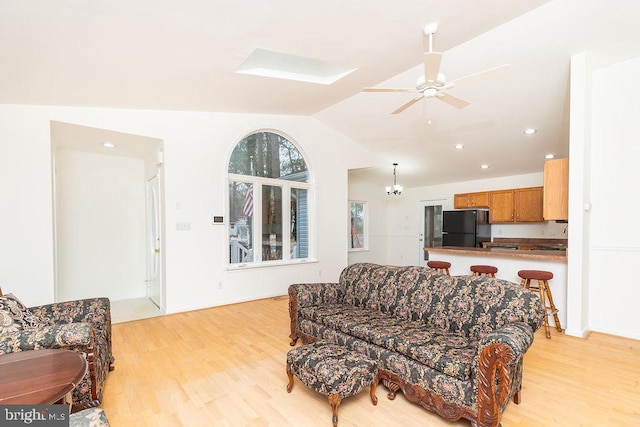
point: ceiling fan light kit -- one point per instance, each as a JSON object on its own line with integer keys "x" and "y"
{"x": 433, "y": 84}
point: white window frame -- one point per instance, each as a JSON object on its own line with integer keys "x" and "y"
{"x": 286, "y": 186}
{"x": 365, "y": 225}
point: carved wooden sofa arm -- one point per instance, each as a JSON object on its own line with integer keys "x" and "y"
{"x": 499, "y": 353}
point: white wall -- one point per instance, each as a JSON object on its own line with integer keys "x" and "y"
{"x": 26, "y": 235}
{"x": 614, "y": 246}
{"x": 196, "y": 150}
{"x": 100, "y": 226}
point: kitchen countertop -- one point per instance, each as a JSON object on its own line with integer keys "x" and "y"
{"x": 550, "y": 255}
{"x": 527, "y": 243}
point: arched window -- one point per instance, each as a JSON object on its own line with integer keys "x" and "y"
{"x": 269, "y": 201}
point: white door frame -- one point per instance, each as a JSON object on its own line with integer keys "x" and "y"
{"x": 421, "y": 205}
{"x": 155, "y": 241}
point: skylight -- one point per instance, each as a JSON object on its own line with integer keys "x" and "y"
{"x": 267, "y": 63}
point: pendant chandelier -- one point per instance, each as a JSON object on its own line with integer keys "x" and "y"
{"x": 396, "y": 189}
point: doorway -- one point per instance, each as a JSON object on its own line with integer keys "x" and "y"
{"x": 430, "y": 228}
{"x": 100, "y": 213}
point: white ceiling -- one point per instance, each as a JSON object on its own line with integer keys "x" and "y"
{"x": 163, "y": 54}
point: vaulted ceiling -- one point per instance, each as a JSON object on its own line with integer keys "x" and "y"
{"x": 162, "y": 54}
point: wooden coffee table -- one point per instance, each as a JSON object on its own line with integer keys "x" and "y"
{"x": 40, "y": 377}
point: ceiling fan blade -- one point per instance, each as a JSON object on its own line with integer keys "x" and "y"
{"x": 388, "y": 89}
{"x": 490, "y": 73}
{"x": 408, "y": 104}
{"x": 431, "y": 66}
{"x": 452, "y": 100}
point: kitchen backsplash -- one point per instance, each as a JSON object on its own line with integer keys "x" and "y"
{"x": 548, "y": 229}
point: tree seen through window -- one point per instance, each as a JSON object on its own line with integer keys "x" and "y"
{"x": 268, "y": 189}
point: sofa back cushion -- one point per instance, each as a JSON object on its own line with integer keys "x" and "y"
{"x": 475, "y": 305}
{"x": 470, "y": 305}
{"x": 389, "y": 289}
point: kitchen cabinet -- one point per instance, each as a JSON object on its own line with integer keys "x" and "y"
{"x": 471, "y": 200}
{"x": 516, "y": 205}
{"x": 528, "y": 204}
{"x": 501, "y": 206}
{"x": 556, "y": 189}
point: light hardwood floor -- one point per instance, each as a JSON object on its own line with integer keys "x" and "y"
{"x": 225, "y": 366}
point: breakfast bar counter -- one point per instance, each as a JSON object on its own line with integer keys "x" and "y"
{"x": 550, "y": 255}
{"x": 509, "y": 262}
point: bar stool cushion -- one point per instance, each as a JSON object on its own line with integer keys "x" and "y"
{"x": 535, "y": 274}
{"x": 438, "y": 264}
{"x": 486, "y": 269}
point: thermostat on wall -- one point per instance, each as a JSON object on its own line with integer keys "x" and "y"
{"x": 217, "y": 220}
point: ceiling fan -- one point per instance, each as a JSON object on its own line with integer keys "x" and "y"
{"x": 433, "y": 84}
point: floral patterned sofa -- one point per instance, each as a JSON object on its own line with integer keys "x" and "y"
{"x": 82, "y": 325}
{"x": 453, "y": 345}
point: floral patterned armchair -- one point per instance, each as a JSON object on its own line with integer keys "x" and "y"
{"x": 82, "y": 325}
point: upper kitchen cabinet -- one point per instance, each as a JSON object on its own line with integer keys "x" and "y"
{"x": 556, "y": 189}
{"x": 501, "y": 206}
{"x": 529, "y": 204}
{"x": 516, "y": 205}
{"x": 471, "y": 200}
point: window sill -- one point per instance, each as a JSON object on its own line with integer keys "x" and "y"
{"x": 267, "y": 264}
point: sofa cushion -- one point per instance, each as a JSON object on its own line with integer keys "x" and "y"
{"x": 450, "y": 388}
{"x": 449, "y": 353}
{"x": 15, "y": 316}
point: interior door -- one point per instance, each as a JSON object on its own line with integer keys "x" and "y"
{"x": 154, "y": 240}
{"x": 430, "y": 227}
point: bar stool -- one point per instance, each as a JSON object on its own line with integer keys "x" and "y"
{"x": 441, "y": 266}
{"x": 484, "y": 270}
{"x": 542, "y": 277}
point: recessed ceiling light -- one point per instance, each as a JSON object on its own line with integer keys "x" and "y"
{"x": 549, "y": 156}
{"x": 267, "y": 63}
{"x": 459, "y": 146}
{"x": 530, "y": 131}
{"x": 484, "y": 166}
{"x": 109, "y": 145}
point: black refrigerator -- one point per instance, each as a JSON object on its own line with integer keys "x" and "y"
{"x": 467, "y": 228}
